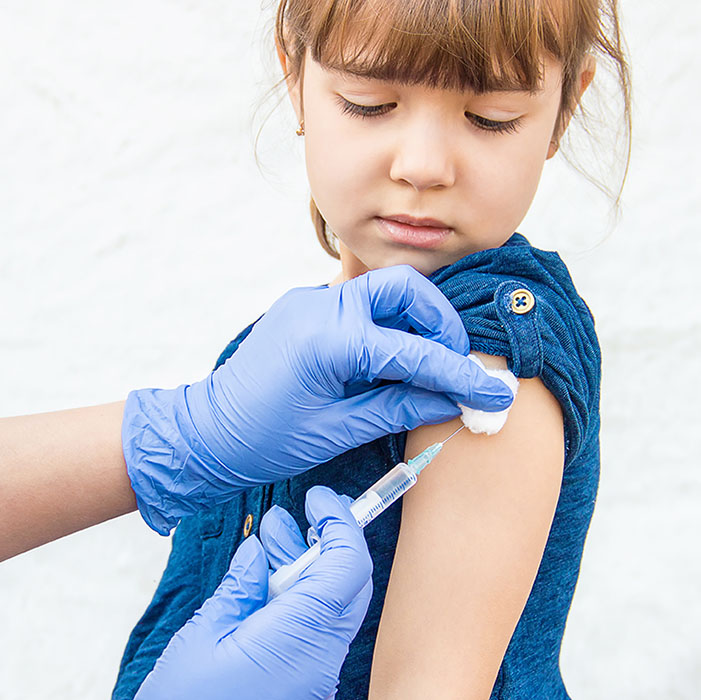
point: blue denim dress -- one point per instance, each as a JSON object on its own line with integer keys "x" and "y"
{"x": 515, "y": 301}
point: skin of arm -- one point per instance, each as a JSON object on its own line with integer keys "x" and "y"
{"x": 59, "y": 473}
{"x": 472, "y": 536}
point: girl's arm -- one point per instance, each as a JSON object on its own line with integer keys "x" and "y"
{"x": 472, "y": 536}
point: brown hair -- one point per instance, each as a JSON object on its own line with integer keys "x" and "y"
{"x": 481, "y": 45}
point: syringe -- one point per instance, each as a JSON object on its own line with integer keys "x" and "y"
{"x": 365, "y": 508}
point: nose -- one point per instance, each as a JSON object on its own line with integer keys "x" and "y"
{"x": 424, "y": 157}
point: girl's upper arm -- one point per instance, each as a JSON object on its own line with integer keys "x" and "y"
{"x": 472, "y": 536}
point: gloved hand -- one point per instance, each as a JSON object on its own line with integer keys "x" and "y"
{"x": 281, "y": 403}
{"x": 235, "y": 646}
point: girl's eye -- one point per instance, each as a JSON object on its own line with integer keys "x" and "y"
{"x": 482, "y": 123}
{"x": 364, "y": 110}
{"x": 494, "y": 126}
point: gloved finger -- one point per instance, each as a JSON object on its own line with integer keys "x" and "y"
{"x": 281, "y": 537}
{"x": 389, "y": 409}
{"x": 243, "y": 590}
{"x": 344, "y": 566}
{"x": 351, "y": 618}
{"x": 402, "y": 297}
{"x": 312, "y": 534}
{"x": 355, "y": 611}
{"x": 429, "y": 365}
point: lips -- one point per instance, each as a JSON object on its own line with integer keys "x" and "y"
{"x": 419, "y": 222}
{"x": 413, "y": 231}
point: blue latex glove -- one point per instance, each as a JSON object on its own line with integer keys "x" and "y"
{"x": 294, "y": 647}
{"x": 281, "y": 403}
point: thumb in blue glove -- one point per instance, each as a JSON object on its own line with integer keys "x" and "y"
{"x": 292, "y": 648}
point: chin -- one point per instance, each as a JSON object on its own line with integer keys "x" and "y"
{"x": 425, "y": 262}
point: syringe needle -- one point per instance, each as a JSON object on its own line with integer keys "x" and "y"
{"x": 450, "y": 436}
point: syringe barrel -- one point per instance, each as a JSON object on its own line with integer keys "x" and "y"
{"x": 383, "y": 493}
{"x": 365, "y": 508}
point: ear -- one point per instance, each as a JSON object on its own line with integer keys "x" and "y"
{"x": 586, "y": 75}
{"x": 293, "y": 81}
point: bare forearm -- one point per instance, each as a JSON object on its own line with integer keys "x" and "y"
{"x": 59, "y": 473}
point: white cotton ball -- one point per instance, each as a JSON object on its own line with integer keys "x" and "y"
{"x": 484, "y": 421}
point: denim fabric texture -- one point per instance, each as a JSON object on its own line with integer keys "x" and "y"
{"x": 554, "y": 340}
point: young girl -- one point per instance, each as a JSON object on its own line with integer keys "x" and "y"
{"x": 427, "y": 124}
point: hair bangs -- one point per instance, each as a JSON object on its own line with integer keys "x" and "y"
{"x": 481, "y": 45}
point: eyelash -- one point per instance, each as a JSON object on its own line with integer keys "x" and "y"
{"x": 364, "y": 111}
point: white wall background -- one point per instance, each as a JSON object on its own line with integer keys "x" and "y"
{"x": 138, "y": 236}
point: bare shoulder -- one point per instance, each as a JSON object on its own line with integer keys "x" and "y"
{"x": 472, "y": 536}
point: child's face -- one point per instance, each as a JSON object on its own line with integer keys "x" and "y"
{"x": 426, "y": 155}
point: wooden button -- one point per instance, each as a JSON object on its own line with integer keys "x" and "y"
{"x": 247, "y": 525}
{"x": 522, "y": 301}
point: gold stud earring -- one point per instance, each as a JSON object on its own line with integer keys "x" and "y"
{"x": 300, "y": 131}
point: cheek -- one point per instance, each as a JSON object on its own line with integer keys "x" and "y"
{"x": 338, "y": 169}
{"x": 508, "y": 178}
